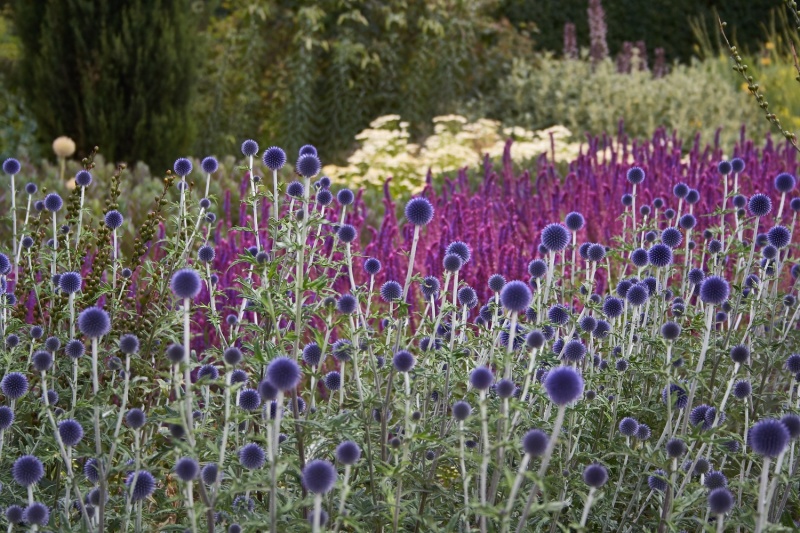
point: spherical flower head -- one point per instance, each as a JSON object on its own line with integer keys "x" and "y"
{"x": 564, "y": 385}
{"x": 70, "y": 282}
{"x": 31, "y": 188}
{"x": 83, "y": 179}
{"x": 574, "y": 221}
{"x": 657, "y": 481}
{"x": 71, "y": 432}
{"x": 249, "y": 148}
{"x": 627, "y": 200}
{"x": 670, "y": 330}
{"x": 312, "y": 354}
{"x": 588, "y": 323}
{"x": 182, "y": 167}
{"x": 36, "y": 514}
{"x": 346, "y": 233}
{"x": 714, "y": 290}
{"x": 252, "y": 456}
{"x": 185, "y": 283}
{"x": 555, "y": 237}
{"x": 759, "y": 205}
{"x": 348, "y": 453}
{"x": 333, "y": 380}
{"x": 403, "y": 361}
{"x": 342, "y": 350}
{"x": 14, "y": 385}
{"x": 595, "y": 475}
{"x": 613, "y": 307}
{"x": 792, "y": 423}
{"x": 687, "y": 222}
{"x": 42, "y": 361}
{"x": 209, "y": 473}
{"x": 452, "y": 262}
{"x": 274, "y": 158}
{"x": 740, "y": 353}
{"x": 574, "y": 351}
{"x": 461, "y": 249}
{"x": 697, "y": 415}
{"x": 643, "y": 432}
{"x": 742, "y": 389}
{"x": 52, "y": 344}
{"x": 419, "y": 211}
{"x": 324, "y": 197}
{"x": 308, "y": 165}
{"x": 6, "y": 417}
{"x": 345, "y": 197}
{"x": 505, "y": 388}
{"x": 640, "y": 257}
{"x": 693, "y": 196}
{"x": 430, "y": 287}
{"x": 284, "y": 373}
{"x": 496, "y": 282}
{"x": 637, "y": 295}
{"x": 175, "y": 353}
{"x": 680, "y": 190}
{"x": 779, "y": 236}
{"x": 113, "y": 219}
{"x": 724, "y": 167}
{"x": 53, "y": 202}
{"x": 516, "y": 296}
{"x": 372, "y": 266}
{"x": 391, "y": 291}
{"x": 660, "y": 256}
{"x": 14, "y": 514}
{"x": 27, "y": 470}
{"x": 295, "y": 189}
{"x": 145, "y": 484}
{"x": 785, "y": 183}
{"x": 534, "y": 442}
{"x": 481, "y": 378}
{"x": 461, "y": 410}
{"x": 319, "y": 476}
{"x": 347, "y": 304}
{"x": 672, "y": 237}
{"x": 187, "y": 469}
{"x": 209, "y": 164}
{"x": 206, "y": 254}
{"x": 558, "y": 314}
{"x": 537, "y": 268}
{"x": 675, "y": 448}
{"x": 720, "y": 501}
{"x": 249, "y": 399}
{"x": 11, "y": 166}
{"x": 628, "y": 426}
{"x": 135, "y": 418}
{"x": 768, "y": 437}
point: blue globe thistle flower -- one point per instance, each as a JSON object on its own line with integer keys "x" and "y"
{"x": 516, "y": 296}
{"x": 175, "y": 353}
{"x": 714, "y": 246}
{"x": 31, "y": 188}
{"x": 308, "y": 165}
{"x": 769, "y": 252}
{"x": 312, "y": 354}
{"x": 481, "y": 378}
{"x": 461, "y": 249}
{"x": 739, "y": 201}
{"x": 70, "y": 282}
{"x": 403, "y": 361}
{"x": 348, "y": 452}
{"x": 613, "y": 307}
{"x": 129, "y": 343}
{"x": 53, "y": 202}
{"x": 680, "y": 190}
{"x": 583, "y": 250}
{"x": 505, "y": 388}
{"x": 283, "y": 373}
{"x": 307, "y": 149}
{"x": 52, "y": 397}
{"x": 333, "y": 380}
{"x": 249, "y": 148}
{"x": 535, "y": 339}
{"x": 461, "y": 410}
{"x": 274, "y": 158}
{"x": 12, "y": 340}
{"x": 185, "y": 283}
{"x": 658, "y": 203}
{"x": 687, "y": 222}
{"x": 342, "y": 350}
{"x": 742, "y": 389}
{"x": 90, "y": 470}
{"x": 794, "y": 204}
{"x": 574, "y": 221}
{"x": 564, "y": 385}
{"x": 52, "y": 344}
{"x": 345, "y": 197}
{"x": 621, "y": 365}
{"x": 187, "y": 469}
{"x": 635, "y": 175}
{"x": 537, "y": 268}
{"x": 14, "y": 514}
{"x": 208, "y": 373}
{"x": 623, "y": 287}
{"x": 113, "y": 219}
{"x": 39, "y": 205}
{"x": 430, "y": 287}
{"x": 670, "y": 330}
{"x": 714, "y": 290}
{"x": 27, "y": 242}
{"x": 792, "y": 423}
{"x": 182, "y": 167}
{"x": 595, "y": 475}
{"x": 574, "y": 351}
{"x": 640, "y": 258}
{"x": 693, "y": 196}
{"x": 628, "y": 426}
{"x": 558, "y": 314}
{"x": 793, "y": 363}
{"x": 14, "y": 385}
{"x": 715, "y": 479}
{"x": 696, "y": 276}
{"x": 209, "y": 473}
{"x": 697, "y": 415}
{"x": 11, "y": 166}
{"x": 252, "y": 456}
{"x": 347, "y": 304}
{"x": 452, "y": 262}
{"x": 206, "y": 254}
{"x": 669, "y": 213}
{"x": 759, "y": 205}
{"x": 82, "y": 179}
{"x": 209, "y": 165}
{"x": 737, "y": 164}
{"x": 419, "y": 211}
{"x": 145, "y": 484}
{"x": 6, "y": 417}
{"x": 534, "y": 442}
{"x": 36, "y": 514}
{"x": 135, "y": 418}
{"x": 319, "y": 476}
{"x": 779, "y": 236}
{"x": 588, "y": 323}
{"x": 346, "y": 233}
{"x": 710, "y": 416}
{"x": 391, "y": 291}
{"x": 677, "y": 395}
{"x": 643, "y": 432}
{"x": 249, "y": 399}
{"x": 372, "y": 266}
{"x": 28, "y": 470}
{"x": 324, "y": 197}
{"x": 596, "y": 252}
{"x": 675, "y": 448}
{"x": 672, "y": 237}
{"x": 496, "y": 282}
{"x": 71, "y": 432}
{"x": 724, "y": 167}
{"x": 295, "y": 189}
{"x": 467, "y": 296}
{"x": 36, "y": 332}
{"x": 657, "y": 481}
{"x": 720, "y": 501}
{"x": 785, "y": 182}
{"x": 555, "y": 237}
{"x": 637, "y": 295}
{"x": 182, "y": 186}
{"x": 644, "y": 210}
{"x": 660, "y": 256}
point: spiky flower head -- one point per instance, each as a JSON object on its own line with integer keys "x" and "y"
{"x": 534, "y": 442}
{"x": 595, "y": 475}
{"x": 71, "y": 432}
{"x": 319, "y": 476}
{"x": 11, "y": 166}
{"x": 564, "y": 385}
{"x": 274, "y": 158}
{"x": 185, "y": 283}
{"x": 140, "y": 484}
{"x": 283, "y": 373}
{"x": 419, "y": 211}
{"x": 27, "y": 470}
{"x": 348, "y": 452}
{"x": 768, "y": 437}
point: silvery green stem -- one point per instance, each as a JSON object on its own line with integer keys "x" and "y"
{"x": 255, "y": 204}
{"x": 523, "y": 466}
{"x": 464, "y": 476}
{"x": 411, "y": 262}
{"x": 700, "y": 361}
{"x": 55, "y": 245}
{"x": 762, "y": 496}
{"x": 187, "y": 371}
{"x": 773, "y": 485}
{"x": 97, "y": 441}
{"x": 122, "y": 406}
{"x": 343, "y": 497}
{"x": 208, "y": 183}
{"x": 485, "y": 453}
{"x": 14, "y": 224}
{"x": 275, "y": 206}
{"x": 551, "y": 260}
{"x": 190, "y": 506}
{"x": 621, "y": 476}
{"x": 512, "y": 331}
{"x": 317, "y": 511}
{"x": 588, "y": 505}
{"x": 80, "y": 219}
{"x": 114, "y": 262}
{"x": 273, "y": 495}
